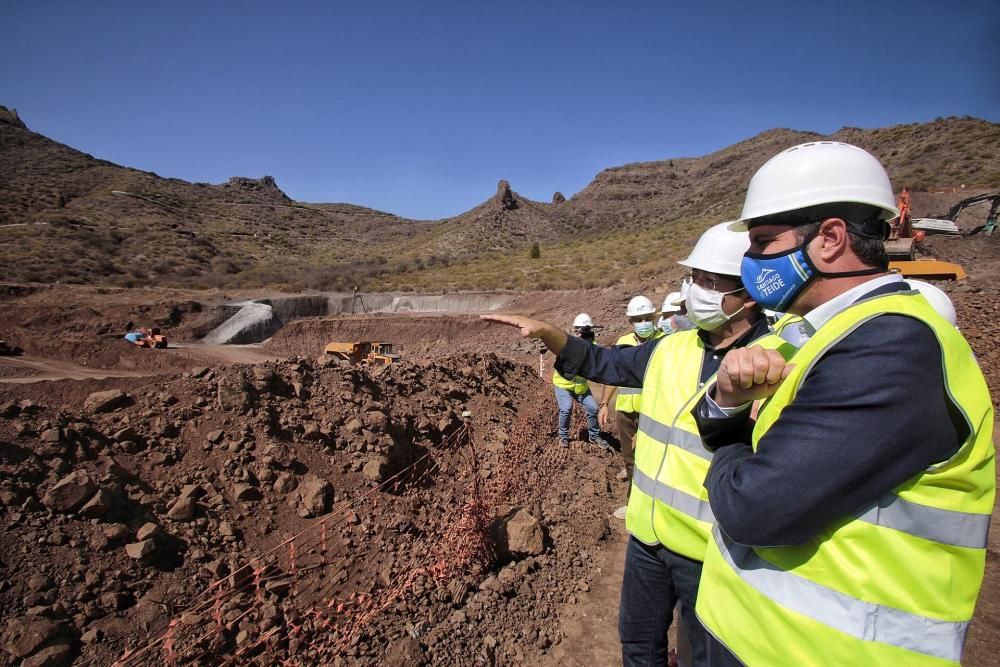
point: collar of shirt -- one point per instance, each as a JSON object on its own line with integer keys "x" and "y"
{"x": 822, "y": 314}
{"x": 759, "y": 328}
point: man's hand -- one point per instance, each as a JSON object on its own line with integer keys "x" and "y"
{"x": 748, "y": 374}
{"x": 554, "y": 338}
{"x": 602, "y": 417}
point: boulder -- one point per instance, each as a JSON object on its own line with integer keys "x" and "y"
{"x": 140, "y": 550}
{"x": 106, "y": 401}
{"x": 182, "y": 510}
{"x": 246, "y": 492}
{"x": 285, "y": 483}
{"x": 24, "y": 635}
{"x": 377, "y": 421}
{"x": 51, "y": 435}
{"x": 148, "y": 531}
{"x": 520, "y": 534}
{"x": 70, "y": 493}
{"x": 315, "y": 495}
{"x": 57, "y": 655}
{"x": 376, "y": 469}
{"x": 99, "y": 505}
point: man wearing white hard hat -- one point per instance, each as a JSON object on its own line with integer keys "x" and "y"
{"x": 673, "y": 313}
{"x": 851, "y": 526}
{"x": 641, "y": 314}
{"x": 576, "y": 389}
{"x": 668, "y": 516}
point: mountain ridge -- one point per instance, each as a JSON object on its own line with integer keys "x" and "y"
{"x": 67, "y": 216}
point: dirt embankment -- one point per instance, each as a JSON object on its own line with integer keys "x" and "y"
{"x": 296, "y": 509}
{"x": 227, "y": 463}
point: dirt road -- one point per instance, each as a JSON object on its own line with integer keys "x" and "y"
{"x": 20, "y": 370}
{"x": 24, "y": 369}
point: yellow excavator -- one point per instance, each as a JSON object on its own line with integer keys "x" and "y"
{"x": 365, "y": 352}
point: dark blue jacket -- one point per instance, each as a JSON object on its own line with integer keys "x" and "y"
{"x": 871, "y": 414}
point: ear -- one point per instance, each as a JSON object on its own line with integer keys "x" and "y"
{"x": 835, "y": 240}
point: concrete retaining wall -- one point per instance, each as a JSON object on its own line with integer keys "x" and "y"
{"x": 257, "y": 320}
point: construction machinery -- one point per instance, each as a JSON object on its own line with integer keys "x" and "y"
{"x": 147, "y": 337}
{"x": 901, "y": 248}
{"x": 991, "y": 218}
{"x": 363, "y": 353}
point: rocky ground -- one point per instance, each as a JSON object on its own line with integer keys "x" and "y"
{"x": 122, "y": 507}
{"x": 264, "y": 504}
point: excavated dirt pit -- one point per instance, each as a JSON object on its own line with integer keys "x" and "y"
{"x": 258, "y": 504}
{"x": 264, "y": 503}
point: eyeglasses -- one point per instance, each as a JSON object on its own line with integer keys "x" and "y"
{"x": 708, "y": 281}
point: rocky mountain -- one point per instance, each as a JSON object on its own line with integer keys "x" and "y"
{"x": 66, "y": 216}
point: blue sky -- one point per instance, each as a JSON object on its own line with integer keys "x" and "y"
{"x": 419, "y": 108}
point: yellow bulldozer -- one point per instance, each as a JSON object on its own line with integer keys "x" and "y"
{"x": 364, "y": 353}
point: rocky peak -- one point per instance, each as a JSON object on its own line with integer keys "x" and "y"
{"x": 264, "y": 186}
{"x": 10, "y": 117}
{"x": 504, "y": 197}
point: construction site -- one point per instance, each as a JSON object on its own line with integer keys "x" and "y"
{"x": 352, "y": 476}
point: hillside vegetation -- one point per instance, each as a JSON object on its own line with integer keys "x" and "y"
{"x": 66, "y": 216}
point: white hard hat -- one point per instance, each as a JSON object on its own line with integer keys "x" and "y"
{"x": 583, "y": 320}
{"x": 719, "y": 250}
{"x": 820, "y": 172}
{"x": 937, "y": 298}
{"x": 639, "y": 305}
{"x": 672, "y": 303}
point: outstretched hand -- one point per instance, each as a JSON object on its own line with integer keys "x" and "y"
{"x": 529, "y": 328}
{"x": 553, "y": 337}
{"x": 749, "y": 374}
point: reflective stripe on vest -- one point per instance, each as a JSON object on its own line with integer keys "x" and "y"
{"x": 960, "y": 529}
{"x": 668, "y": 503}
{"x": 686, "y": 440}
{"x": 627, "y": 398}
{"x": 897, "y": 582}
{"x": 694, "y": 507}
{"x": 859, "y": 619}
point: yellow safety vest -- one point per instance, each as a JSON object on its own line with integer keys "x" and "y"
{"x": 578, "y": 385}
{"x": 895, "y": 584}
{"x": 627, "y": 398}
{"x": 784, "y": 321}
{"x": 668, "y": 503}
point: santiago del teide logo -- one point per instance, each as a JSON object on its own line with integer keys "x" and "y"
{"x": 768, "y": 281}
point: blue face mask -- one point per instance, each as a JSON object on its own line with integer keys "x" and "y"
{"x": 776, "y": 281}
{"x": 643, "y": 329}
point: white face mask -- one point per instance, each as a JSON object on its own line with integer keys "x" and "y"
{"x": 643, "y": 329}
{"x": 704, "y": 307}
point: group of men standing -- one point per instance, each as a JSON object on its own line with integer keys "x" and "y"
{"x": 814, "y": 496}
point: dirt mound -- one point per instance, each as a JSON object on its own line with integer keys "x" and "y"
{"x": 183, "y": 517}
